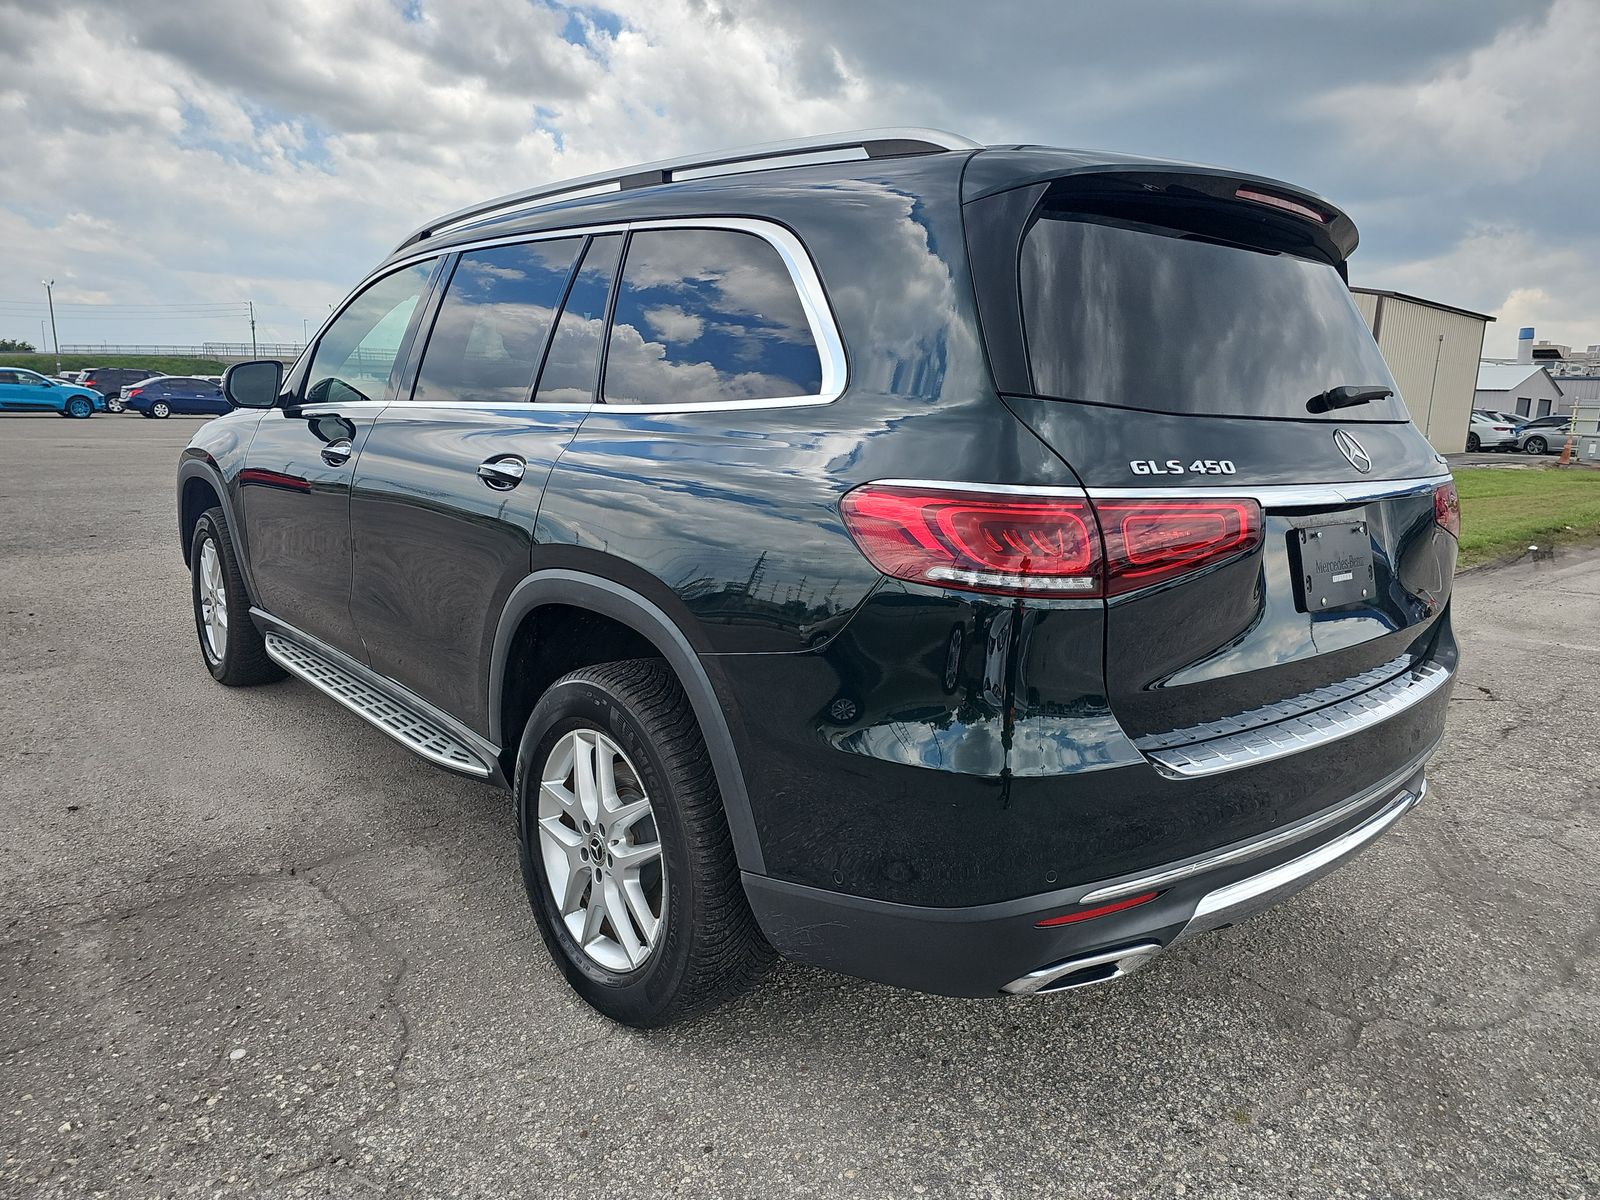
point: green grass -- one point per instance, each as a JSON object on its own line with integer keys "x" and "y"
{"x": 1504, "y": 511}
{"x": 46, "y": 363}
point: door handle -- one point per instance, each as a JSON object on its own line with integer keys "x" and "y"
{"x": 336, "y": 454}
{"x": 503, "y": 473}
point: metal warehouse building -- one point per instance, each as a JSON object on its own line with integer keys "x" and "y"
{"x": 1433, "y": 351}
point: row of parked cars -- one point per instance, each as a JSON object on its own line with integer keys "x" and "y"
{"x": 1491, "y": 430}
{"x": 110, "y": 389}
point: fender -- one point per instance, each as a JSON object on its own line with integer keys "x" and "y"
{"x": 203, "y": 468}
{"x": 622, "y": 604}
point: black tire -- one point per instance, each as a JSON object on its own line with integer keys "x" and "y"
{"x": 161, "y": 410}
{"x": 1535, "y": 445}
{"x": 80, "y": 407}
{"x": 709, "y": 948}
{"x": 1473, "y": 444}
{"x": 244, "y": 661}
{"x": 114, "y": 406}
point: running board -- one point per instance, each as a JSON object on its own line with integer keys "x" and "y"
{"x": 404, "y": 724}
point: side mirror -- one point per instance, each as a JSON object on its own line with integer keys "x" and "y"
{"x": 253, "y": 384}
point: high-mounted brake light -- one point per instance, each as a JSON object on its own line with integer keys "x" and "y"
{"x": 1447, "y": 509}
{"x": 1045, "y": 546}
{"x": 1284, "y": 203}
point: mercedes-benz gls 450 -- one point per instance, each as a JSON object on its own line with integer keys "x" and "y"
{"x": 974, "y": 568}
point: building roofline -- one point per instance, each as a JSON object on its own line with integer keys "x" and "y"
{"x": 1410, "y": 299}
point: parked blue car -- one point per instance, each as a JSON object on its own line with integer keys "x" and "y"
{"x": 168, "y": 394}
{"x": 29, "y": 391}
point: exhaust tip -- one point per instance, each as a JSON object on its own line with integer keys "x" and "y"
{"x": 1086, "y": 970}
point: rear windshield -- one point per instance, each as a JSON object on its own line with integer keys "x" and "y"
{"x": 1141, "y": 317}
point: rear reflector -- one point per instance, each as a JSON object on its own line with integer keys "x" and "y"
{"x": 1043, "y": 545}
{"x": 1284, "y": 203}
{"x": 1447, "y": 509}
{"x": 1089, "y": 913}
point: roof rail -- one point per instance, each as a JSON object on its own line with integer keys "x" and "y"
{"x": 828, "y": 147}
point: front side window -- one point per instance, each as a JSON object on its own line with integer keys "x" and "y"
{"x": 706, "y": 315}
{"x": 354, "y": 359}
{"x": 492, "y": 325}
{"x": 571, "y": 367}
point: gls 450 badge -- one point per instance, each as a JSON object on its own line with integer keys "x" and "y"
{"x": 1174, "y": 466}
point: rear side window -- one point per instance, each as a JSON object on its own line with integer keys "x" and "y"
{"x": 357, "y": 353}
{"x": 708, "y": 315}
{"x": 492, "y": 325}
{"x": 573, "y": 365}
{"x": 1147, "y": 318}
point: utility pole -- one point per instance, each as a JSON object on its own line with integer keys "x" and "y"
{"x": 252, "y": 305}
{"x": 50, "y": 298}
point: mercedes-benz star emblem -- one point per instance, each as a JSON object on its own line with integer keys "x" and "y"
{"x": 1353, "y": 450}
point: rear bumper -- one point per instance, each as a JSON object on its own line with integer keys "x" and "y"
{"x": 990, "y": 949}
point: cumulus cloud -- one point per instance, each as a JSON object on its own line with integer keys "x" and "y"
{"x": 168, "y": 151}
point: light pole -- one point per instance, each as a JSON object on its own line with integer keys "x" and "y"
{"x": 50, "y": 298}
{"x": 252, "y": 305}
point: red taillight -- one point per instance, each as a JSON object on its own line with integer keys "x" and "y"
{"x": 1150, "y": 541}
{"x": 1284, "y": 203}
{"x": 1043, "y": 545}
{"x": 132, "y": 392}
{"x": 1447, "y": 509}
{"x": 1088, "y": 913}
{"x": 987, "y": 542}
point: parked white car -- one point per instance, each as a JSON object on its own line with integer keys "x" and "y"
{"x": 1489, "y": 431}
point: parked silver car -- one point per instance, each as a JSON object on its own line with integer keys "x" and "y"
{"x": 1547, "y": 435}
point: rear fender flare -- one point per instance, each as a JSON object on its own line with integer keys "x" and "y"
{"x": 644, "y": 617}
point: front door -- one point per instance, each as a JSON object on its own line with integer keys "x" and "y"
{"x": 295, "y": 485}
{"x": 448, "y": 488}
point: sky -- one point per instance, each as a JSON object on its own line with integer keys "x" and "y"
{"x": 168, "y": 160}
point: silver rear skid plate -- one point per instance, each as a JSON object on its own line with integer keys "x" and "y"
{"x": 404, "y": 724}
{"x": 1226, "y": 905}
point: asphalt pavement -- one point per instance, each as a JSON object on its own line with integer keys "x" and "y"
{"x": 248, "y": 945}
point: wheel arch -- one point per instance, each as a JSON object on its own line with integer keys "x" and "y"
{"x": 200, "y": 487}
{"x": 637, "y": 613}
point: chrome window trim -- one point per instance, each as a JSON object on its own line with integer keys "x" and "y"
{"x": 796, "y": 260}
{"x": 1243, "y": 852}
{"x": 1285, "y": 495}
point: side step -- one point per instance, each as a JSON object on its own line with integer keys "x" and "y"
{"x": 405, "y": 725}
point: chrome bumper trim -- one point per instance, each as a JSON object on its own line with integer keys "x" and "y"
{"x": 1228, "y": 855}
{"x": 1318, "y": 727}
{"x": 1248, "y": 896}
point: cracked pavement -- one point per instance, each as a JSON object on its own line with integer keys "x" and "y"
{"x": 248, "y": 945}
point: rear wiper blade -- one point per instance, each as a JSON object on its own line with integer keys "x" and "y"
{"x": 1347, "y": 396}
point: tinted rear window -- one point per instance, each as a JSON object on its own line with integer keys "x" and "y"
{"x": 1141, "y": 317}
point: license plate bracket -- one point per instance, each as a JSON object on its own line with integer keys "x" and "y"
{"x": 1334, "y": 563}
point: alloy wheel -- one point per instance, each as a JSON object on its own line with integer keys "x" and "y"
{"x": 213, "y": 600}
{"x": 601, "y": 850}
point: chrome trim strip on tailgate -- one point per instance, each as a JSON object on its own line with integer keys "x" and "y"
{"x": 1303, "y": 732}
{"x": 1283, "y": 495}
{"x": 1246, "y": 897}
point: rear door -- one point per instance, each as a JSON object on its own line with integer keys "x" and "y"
{"x": 448, "y": 487}
{"x": 295, "y": 484}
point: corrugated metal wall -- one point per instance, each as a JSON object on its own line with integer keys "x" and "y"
{"x": 1433, "y": 355}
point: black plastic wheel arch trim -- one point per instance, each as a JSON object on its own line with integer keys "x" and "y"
{"x": 644, "y": 617}
{"x": 198, "y": 468}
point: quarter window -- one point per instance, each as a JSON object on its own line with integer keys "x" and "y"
{"x": 492, "y": 326}
{"x": 356, "y": 355}
{"x": 573, "y": 364}
{"x": 706, "y": 315}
